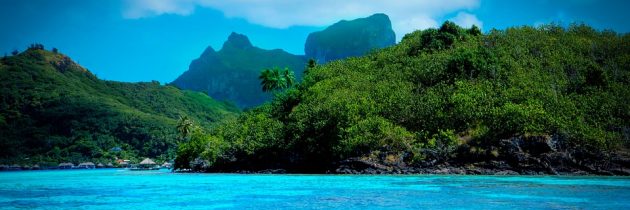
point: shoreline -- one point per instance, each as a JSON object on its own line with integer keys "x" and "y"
{"x": 411, "y": 172}
{"x": 432, "y": 171}
{"x": 514, "y": 156}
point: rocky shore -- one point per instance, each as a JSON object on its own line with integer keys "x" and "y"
{"x": 538, "y": 155}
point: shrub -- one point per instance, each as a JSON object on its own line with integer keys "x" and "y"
{"x": 371, "y": 134}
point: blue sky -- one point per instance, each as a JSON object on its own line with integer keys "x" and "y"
{"x": 144, "y": 40}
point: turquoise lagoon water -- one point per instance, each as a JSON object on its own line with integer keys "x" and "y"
{"x": 150, "y": 190}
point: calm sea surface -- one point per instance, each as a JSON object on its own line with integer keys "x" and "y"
{"x": 121, "y": 189}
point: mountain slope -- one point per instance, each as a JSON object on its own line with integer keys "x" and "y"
{"x": 522, "y": 100}
{"x": 350, "y": 38}
{"x": 232, "y": 72}
{"x": 52, "y": 109}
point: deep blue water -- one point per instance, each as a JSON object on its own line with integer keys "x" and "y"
{"x": 121, "y": 189}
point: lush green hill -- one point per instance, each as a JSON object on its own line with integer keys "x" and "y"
{"x": 52, "y": 110}
{"x": 232, "y": 72}
{"x": 350, "y": 38}
{"x": 532, "y": 100}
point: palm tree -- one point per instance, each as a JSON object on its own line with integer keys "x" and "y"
{"x": 185, "y": 126}
{"x": 268, "y": 80}
{"x": 276, "y": 79}
{"x": 309, "y": 65}
{"x": 289, "y": 78}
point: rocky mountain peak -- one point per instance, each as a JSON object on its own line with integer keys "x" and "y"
{"x": 239, "y": 41}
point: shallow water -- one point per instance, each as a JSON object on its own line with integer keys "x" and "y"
{"x": 121, "y": 189}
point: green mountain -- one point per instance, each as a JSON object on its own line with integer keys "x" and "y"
{"x": 232, "y": 73}
{"x": 53, "y": 110}
{"x": 350, "y": 38}
{"x": 521, "y": 100}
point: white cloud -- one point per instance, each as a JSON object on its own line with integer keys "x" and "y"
{"x": 147, "y": 8}
{"x": 466, "y": 20}
{"x": 407, "y": 25}
{"x": 406, "y": 15}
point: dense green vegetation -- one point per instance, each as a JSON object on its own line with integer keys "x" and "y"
{"x": 439, "y": 94}
{"x": 276, "y": 79}
{"x": 53, "y": 110}
{"x": 231, "y": 74}
{"x": 350, "y": 38}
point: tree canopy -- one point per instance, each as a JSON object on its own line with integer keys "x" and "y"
{"x": 53, "y": 110}
{"x": 438, "y": 94}
{"x": 276, "y": 79}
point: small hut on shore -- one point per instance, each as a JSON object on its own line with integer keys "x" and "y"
{"x": 86, "y": 165}
{"x": 100, "y": 165}
{"x": 65, "y": 166}
{"x": 147, "y": 163}
{"x": 123, "y": 163}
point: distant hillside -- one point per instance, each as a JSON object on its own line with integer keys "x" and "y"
{"x": 52, "y": 110}
{"x": 232, "y": 72}
{"x": 350, "y": 38}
